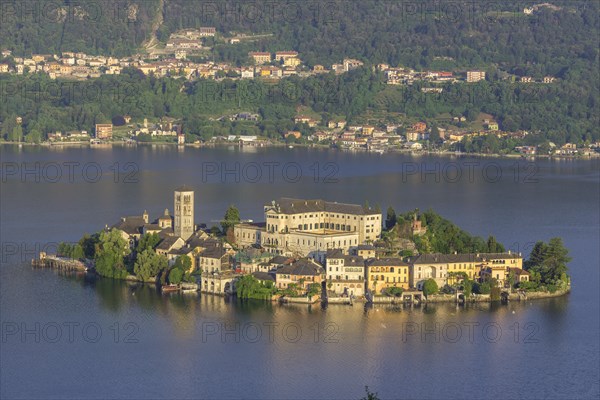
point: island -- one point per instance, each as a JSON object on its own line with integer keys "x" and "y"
{"x": 308, "y": 251}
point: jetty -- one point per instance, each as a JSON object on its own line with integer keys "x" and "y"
{"x": 56, "y": 262}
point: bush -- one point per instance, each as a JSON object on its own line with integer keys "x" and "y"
{"x": 447, "y": 289}
{"x": 175, "y": 276}
{"x": 495, "y": 294}
{"x": 467, "y": 288}
{"x": 482, "y": 288}
{"x": 430, "y": 287}
{"x": 528, "y": 286}
{"x": 394, "y": 291}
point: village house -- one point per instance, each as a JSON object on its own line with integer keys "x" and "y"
{"x": 104, "y": 131}
{"x": 475, "y": 76}
{"x": 301, "y": 273}
{"x": 131, "y": 228}
{"x": 345, "y": 273}
{"x": 260, "y": 57}
{"x": 214, "y": 259}
{"x": 349, "y": 64}
{"x": 498, "y": 265}
{"x": 168, "y": 244}
{"x": 303, "y": 119}
{"x": 252, "y": 259}
{"x": 365, "y": 251}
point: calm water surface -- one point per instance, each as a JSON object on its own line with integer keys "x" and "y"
{"x": 72, "y": 336}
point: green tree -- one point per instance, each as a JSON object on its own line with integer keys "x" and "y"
{"x": 17, "y": 134}
{"x": 88, "y": 244}
{"x": 370, "y": 395}
{"x": 149, "y": 264}
{"x": 537, "y": 256}
{"x": 183, "y": 262}
{"x": 232, "y": 217}
{"x": 8, "y": 125}
{"x": 467, "y": 286}
{"x": 394, "y": 291}
{"x": 390, "y": 220}
{"x": 483, "y": 288}
{"x": 493, "y": 246}
{"x": 34, "y": 136}
{"x": 110, "y": 254}
{"x": 78, "y": 252}
{"x": 313, "y": 289}
{"x": 147, "y": 242}
{"x": 430, "y": 287}
{"x": 555, "y": 261}
{"x": 175, "y": 276}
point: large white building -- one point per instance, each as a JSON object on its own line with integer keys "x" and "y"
{"x": 311, "y": 227}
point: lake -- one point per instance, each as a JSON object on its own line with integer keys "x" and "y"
{"x": 76, "y": 336}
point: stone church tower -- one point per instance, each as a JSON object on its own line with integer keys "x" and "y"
{"x": 184, "y": 212}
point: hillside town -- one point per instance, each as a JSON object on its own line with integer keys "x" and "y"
{"x": 184, "y": 56}
{"x": 305, "y": 251}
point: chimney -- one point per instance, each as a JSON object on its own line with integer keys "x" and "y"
{"x": 509, "y": 252}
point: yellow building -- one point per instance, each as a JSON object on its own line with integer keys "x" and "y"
{"x": 260, "y": 57}
{"x": 498, "y": 265}
{"x": 450, "y": 268}
{"x": 383, "y": 273}
{"x": 292, "y": 62}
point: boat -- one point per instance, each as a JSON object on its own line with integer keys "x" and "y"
{"x": 169, "y": 288}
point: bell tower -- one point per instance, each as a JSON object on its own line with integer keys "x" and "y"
{"x": 184, "y": 212}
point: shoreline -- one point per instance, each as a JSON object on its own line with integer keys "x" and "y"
{"x": 310, "y": 146}
{"x": 376, "y": 300}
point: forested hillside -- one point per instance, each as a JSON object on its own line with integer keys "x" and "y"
{"x": 560, "y": 41}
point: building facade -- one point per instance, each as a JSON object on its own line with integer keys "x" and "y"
{"x": 384, "y": 273}
{"x": 345, "y": 274}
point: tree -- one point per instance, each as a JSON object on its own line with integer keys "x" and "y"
{"x": 8, "y": 125}
{"x": 110, "y": 254}
{"x": 394, "y": 291}
{"x": 183, "y": 262}
{"x": 16, "y": 135}
{"x": 147, "y": 242}
{"x": 555, "y": 261}
{"x": 467, "y": 288}
{"x": 434, "y": 136}
{"x": 88, "y": 244}
{"x": 430, "y": 287}
{"x": 232, "y": 217}
{"x": 483, "y": 288}
{"x": 313, "y": 289}
{"x": 370, "y": 395}
{"x": 34, "y": 136}
{"x": 537, "y": 256}
{"x": 390, "y": 220}
{"x": 175, "y": 276}
{"x": 493, "y": 246}
{"x": 149, "y": 264}
{"x": 78, "y": 252}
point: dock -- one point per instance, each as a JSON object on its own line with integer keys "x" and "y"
{"x": 56, "y": 262}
